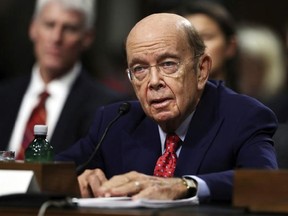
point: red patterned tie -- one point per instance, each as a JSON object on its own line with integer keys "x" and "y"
{"x": 166, "y": 163}
{"x": 38, "y": 116}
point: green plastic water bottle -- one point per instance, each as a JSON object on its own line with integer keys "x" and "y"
{"x": 39, "y": 150}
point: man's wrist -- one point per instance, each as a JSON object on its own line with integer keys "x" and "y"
{"x": 191, "y": 186}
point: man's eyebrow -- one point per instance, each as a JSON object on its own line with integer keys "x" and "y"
{"x": 167, "y": 55}
{"x": 138, "y": 60}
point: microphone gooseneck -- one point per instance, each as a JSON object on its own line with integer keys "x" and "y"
{"x": 123, "y": 109}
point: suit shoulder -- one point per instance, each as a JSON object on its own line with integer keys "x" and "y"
{"x": 236, "y": 104}
{"x": 229, "y": 97}
{"x": 91, "y": 90}
{"x": 14, "y": 86}
{"x": 10, "y": 83}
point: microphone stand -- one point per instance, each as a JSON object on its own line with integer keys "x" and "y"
{"x": 123, "y": 109}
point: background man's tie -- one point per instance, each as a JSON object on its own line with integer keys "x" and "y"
{"x": 38, "y": 116}
{"x": 166, "y": 163}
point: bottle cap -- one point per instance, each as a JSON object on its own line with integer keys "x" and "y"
{"x": 40, "y": 129}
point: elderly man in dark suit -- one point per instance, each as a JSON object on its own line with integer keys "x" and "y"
{"x": 214, "y": 129}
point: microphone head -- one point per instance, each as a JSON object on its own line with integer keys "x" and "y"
{"x": 124, "y": 108}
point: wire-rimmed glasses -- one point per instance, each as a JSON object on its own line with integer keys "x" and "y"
{"x": 140, "y": 72}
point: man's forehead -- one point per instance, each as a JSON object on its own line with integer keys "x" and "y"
{"x": 151, "y": 29}
{"x": 162, "y": 18}
{"x": 158, "y": 22}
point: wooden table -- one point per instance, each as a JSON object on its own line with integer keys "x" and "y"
{"x": 202, "y": 210}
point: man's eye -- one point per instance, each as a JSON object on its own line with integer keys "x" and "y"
{"x": 168, "y": 64}
{"x": 72, "y": 28}
{"x": 138, "y": 69}
{"x": 48, "y": 24}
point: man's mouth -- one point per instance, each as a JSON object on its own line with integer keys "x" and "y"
{"x": 160, "y": 103}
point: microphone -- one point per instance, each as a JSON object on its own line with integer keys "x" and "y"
{"x": 123, "y": 109}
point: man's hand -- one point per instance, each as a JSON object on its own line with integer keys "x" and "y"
{"x": 90, "y": 181}
{"x": 138, "y": 186}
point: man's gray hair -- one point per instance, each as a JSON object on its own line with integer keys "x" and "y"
{"x": 195, "y": 42}
{"x": 87, "y": 7}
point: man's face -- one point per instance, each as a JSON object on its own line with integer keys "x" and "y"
{"x": 59, "y": 37}
{"x": 167, "y": 99}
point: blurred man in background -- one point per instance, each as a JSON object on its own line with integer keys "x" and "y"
{"x": 60, "y": 31}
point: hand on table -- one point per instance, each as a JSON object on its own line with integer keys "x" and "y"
{"x": 93, "y": 183}
{"x": 90, "y": 181}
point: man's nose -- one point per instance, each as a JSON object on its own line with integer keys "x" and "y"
{"x": 57, "y": 34}
{"x": 155, "y": 78}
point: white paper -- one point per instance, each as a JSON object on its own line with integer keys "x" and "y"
{"x": 16, "y": 181}
{"x": 127, "y": 202}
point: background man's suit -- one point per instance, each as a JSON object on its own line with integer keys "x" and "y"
{"x": 227, "y": 131}
{"x": 75, "y": 119}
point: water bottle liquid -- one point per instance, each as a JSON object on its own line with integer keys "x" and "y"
{"x": 39, "y": 150}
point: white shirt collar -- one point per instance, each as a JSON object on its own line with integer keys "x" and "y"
{"x": 37, "y": 85}
{"x": 181, "y": 131}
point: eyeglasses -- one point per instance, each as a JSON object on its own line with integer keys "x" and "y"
{"x": 140, "y": 72}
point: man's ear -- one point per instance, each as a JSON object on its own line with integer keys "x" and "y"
{"x": 32, "y": 31}
{"x": 204, "y": 68}
{"x": 88, "y": 39}
{"x": 231, "y": 47}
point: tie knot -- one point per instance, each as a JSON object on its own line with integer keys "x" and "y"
{"x": 43, "y": 96}
{"x": 166, "y": 164}
{"x": 172, "y": 142}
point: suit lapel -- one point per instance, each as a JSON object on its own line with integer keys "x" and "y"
{"x": 202, "y": 130}
{"x": 142, "y": 147}
{"x": 11, "y": 102}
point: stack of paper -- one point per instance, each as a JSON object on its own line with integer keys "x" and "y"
{"x": 127, "y": 202}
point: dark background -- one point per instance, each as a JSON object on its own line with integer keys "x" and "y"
{"x": 106, "y": 59}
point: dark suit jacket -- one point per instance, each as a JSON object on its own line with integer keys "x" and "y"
{"x": 85, "y": 97}
{"x": 228, "y": 131}
{"x": 281, "y": 145}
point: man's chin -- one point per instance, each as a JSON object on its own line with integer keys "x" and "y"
{"x": 55, "y": 67}
{"x": 162, "y": 117}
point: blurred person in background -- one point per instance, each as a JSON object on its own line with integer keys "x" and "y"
{"x": 216, "y": 28}
{"x": 61, "y": 30}
{"x": 262, "y": 68}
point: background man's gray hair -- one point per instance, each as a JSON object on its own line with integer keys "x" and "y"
{"x": 87, "y": 7}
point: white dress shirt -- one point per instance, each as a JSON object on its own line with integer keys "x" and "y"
{"x": 58, "y": 90}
